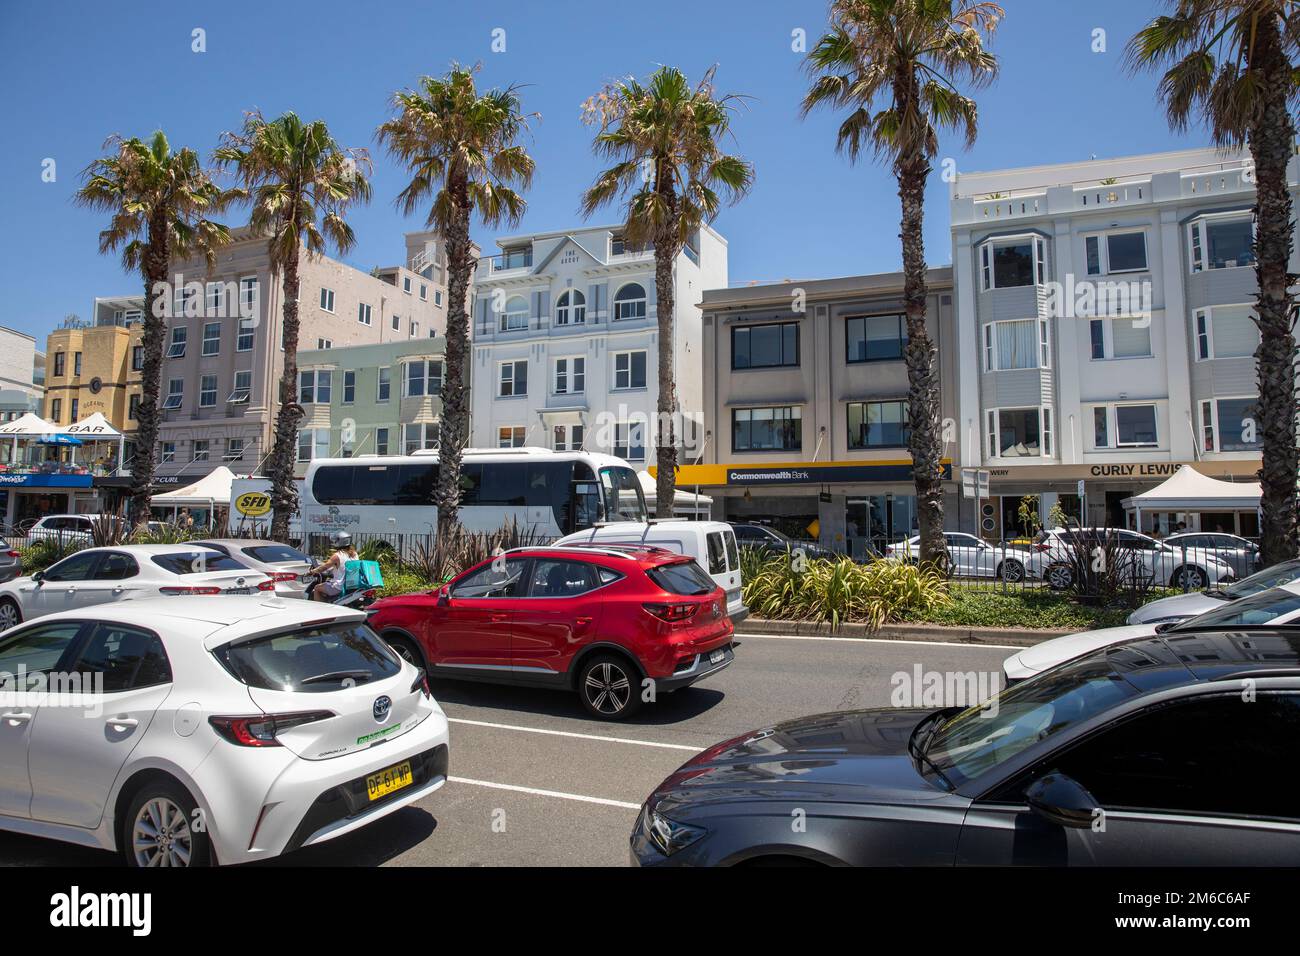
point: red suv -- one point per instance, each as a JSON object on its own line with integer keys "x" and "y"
{"x": 598, "y": 620}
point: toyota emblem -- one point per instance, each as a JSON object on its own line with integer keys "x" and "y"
{"x": 716, "y": 610}
{"x": 382, "y": 707}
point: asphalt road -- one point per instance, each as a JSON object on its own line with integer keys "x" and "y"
{"x": 535, "y": 782}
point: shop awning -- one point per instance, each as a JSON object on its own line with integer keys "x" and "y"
{"x": 211, "y": 489}
{"x": 1189, "y": 490}
{"x": 30, "y": 425}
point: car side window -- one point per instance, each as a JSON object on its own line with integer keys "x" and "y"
{"x": 494, "y": 580}
{"x": 1216, "y": 755}
{"x": 116, "y": 566}
{"x": 35, "y": 650}
{"x": 717, "y": 552}
{"x": 76, "y": 567}
{"x": 608, "y": 576}
{"x": 551, "y": 579}
{"x": 124, "y": 658}
{"x": 733, "y": 553}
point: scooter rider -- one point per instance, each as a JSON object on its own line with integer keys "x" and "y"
{"x": 335, "y": 565}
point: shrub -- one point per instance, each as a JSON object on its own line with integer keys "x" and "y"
{"x": 790, "y": 587}
{"x": 44, "y": 552}
{"x": 972, "y": 606}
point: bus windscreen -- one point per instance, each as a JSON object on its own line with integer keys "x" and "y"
{"x": 624, "y": 500}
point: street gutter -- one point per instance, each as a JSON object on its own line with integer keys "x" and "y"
{"x": 1018, "y": 636}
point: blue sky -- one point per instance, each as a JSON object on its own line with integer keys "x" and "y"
{"x": 74, "y": 72}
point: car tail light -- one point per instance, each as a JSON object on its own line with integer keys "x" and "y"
{"x": 267, "y": 585}
{"x": 1042, "y": 546}
{"x": 15, "y": 554}
{"x": 422, "y": 684}
{"x": 259, "y": 730}
{"x": 179, "y": 589}
{"x": 672, "y": 613}
{"x": 284, "y": 576}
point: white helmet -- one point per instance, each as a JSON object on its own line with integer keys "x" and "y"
{"x": 341, "y": 539}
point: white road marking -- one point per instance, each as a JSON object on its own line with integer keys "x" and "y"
{"x": 569, "y": 733}
{"x": 877, "y": 640}
{"x": 546, "y": 793}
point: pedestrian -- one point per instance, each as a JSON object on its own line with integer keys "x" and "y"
{"x": 185, "y": 520}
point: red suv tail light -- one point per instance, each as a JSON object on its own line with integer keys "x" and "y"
{"x": 672, "y": 613}
{"x": 259, "y": 730}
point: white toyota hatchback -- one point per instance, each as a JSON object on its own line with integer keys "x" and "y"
{"x": 225, "y": 729}
{"x": 100, "y": 575}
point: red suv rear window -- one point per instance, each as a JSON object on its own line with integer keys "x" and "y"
{"x": 683, "y": 577}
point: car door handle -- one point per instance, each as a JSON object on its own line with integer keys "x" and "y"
{"x": 122, "y": 723}
{"x": 499, "y": 618}
{"x": 16, "y": 717}
{"x": 583, "y": 620}
{"x": 119, "y": 589}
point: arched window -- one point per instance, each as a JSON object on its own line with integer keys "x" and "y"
{"x": 571, "y": 308}
{"x": 629, "y": 302}
{"x": 515, "y": 315}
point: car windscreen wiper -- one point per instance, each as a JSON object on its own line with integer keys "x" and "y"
{"x": 337, "y": 675}
{"x": 917, "y": 748}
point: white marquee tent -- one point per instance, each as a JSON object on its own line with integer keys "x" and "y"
{"x": 210, "y": 492}
{"x": 1189, "y": 490}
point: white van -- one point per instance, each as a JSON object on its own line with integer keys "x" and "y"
{"x": 711, "y": 543}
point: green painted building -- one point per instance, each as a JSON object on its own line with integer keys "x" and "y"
{"x": 382, "y": 399}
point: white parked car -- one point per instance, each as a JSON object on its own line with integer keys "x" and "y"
{"x": 971, "y": 557}
{"x": 101, "y": 575}
{"x": 1275, "y": 606}
{"x": 284, "y": 563}
{"x": 711, "y": 543}
{"x": 66, "y": 529}
{"x": 1136, "y": 556}
{"x": 214, "y": 730}
{"x": 1182, "y": 606}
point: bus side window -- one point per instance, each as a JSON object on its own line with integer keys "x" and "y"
{"x": 586, "y": 506}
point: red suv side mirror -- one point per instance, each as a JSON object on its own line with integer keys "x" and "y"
{"x": 444, "y": 598}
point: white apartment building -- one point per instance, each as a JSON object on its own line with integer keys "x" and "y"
{"x": 565, "y": 341}
{"x": 1104, "y": 324}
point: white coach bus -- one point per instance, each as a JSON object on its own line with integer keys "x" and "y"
{"x": 552, "y": 493}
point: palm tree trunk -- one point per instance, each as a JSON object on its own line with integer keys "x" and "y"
{"x": 155, "y": 266}
{"x": 284, "y": 493}
{"x": 666, "y": 248}
{"x": 455, "y": 392}
{"x": 924, "y": 439}
{"x": 1271, "y": 135}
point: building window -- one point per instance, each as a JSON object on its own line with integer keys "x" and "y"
{"x": 1120, "y": 338}
{"x": 629, "y": 370}
{"x": 424, "y": 292}
{"x": 406, "y": 284}
{"x": 425, "y": 378}
{"x": 327, "y": 300}
{"x": 133, "y": 407}
{"x": 415, "y": 328}
{"x": 245, "y": 341}
{"x": 363, "y": 313}
{"x": 242, "y": 388}
{"x": 56, "y": 409}
{"x": 322, "y": 344}
{"x": 381, "y": 441}
{"x": 1116, "y": 252}
{"x": 510, "y": 436}
{"x": 420, "y": 436}
{"x": 137, "y": 358}
{"x": 570, "y": 308}
{"x": 175, "y": 393}
{"x": 216, "y": 298}
{"x": 1016, "y": 344}
{"x": 76, "y": 363}
{"x": 630, "y": 302}
{"x": 248, "y": 296}
{"x": 185, "y": 301}
{"x": 1019, "y": 432}
{"x": 313, "y": 443}
{"x": 76, "y": 409}
{"x": 397, "y": 322}
{"x": 349, "y": 387}
{"x": 1222, "y": 242}
{"x": 1125, "y": 426}
{"x": 515, "y": 316}
{"x": 629, "y": 441}
{"x": 875, "y": 338}
{"x": 200, "y": 449}
{"x": 765, "y": 346}
{"x": 314, "y": 387}
{"x": 208, "y": 391}
{"x": 877, "y": 424}
{"x": 234, "y": 449}
{"x": 513, "y": 379}
{"x": 571, "y": 375}
{"x": 1228, "y": 424}
{"x": 177, "y": 347}
{"x": 168, "y": 453}
{"x": 1011, "y": 263}
{"x": 437, "y": 297}
{"x": 60, "y": 362}
{"x": 1226, "y": 331}
{"x": 767, "y": 429}
{"x": 211, "y": 338}
{"x": 385, "y": 384}
{"x": 568, "y": 437}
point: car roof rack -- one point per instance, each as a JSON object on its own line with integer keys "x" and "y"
{"x": 610, "y": 551}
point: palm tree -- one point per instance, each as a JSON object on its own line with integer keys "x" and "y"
{"x": 1232, "y": 63}
{"x": 669, "y": 170}
{"x": 460, "y": 148}
{"x": 160, "y": 203}
{"x": 896, "y": 65}
{"x": 301, "y": 183}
